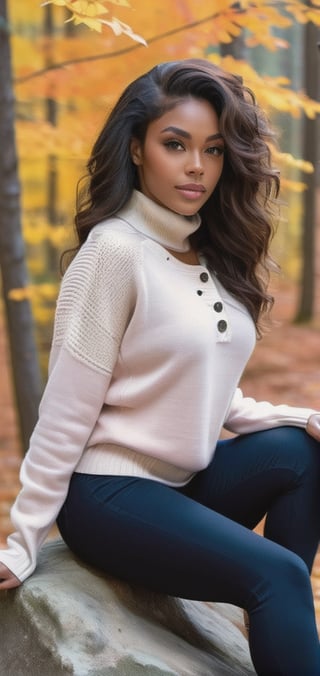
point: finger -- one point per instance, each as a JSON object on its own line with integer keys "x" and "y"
{"x": 313, "y": 426}
{"x": 314, "y": 431}
{"x": 9, "y": 583}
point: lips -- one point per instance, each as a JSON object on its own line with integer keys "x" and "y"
{"x": 191, "y": 191}
{"x": 192, "y": 187}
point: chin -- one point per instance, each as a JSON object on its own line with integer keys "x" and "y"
{"x": 186, "y": 212}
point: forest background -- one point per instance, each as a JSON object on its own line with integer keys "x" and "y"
{"x": 58, "y": 80}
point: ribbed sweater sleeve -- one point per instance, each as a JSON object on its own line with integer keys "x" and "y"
{"x": 93, "y": 310}
{"x": 248, "y": 415}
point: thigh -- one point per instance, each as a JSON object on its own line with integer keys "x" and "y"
{"x": 250, "y": 472}
{"x": 155, "y": 536}
{"x": 150, "y": 534}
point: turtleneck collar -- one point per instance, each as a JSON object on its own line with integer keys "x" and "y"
{"x": 159, "y": 223}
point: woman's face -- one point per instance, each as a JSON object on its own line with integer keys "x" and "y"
{"x": 181, "y": 160}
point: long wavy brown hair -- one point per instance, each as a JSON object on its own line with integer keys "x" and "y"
{"x": 237, "y": 221}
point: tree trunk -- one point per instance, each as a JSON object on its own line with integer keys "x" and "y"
{"x": 25, "y": 366}
{"x": 305, "y": 310}
{"x": 51, "y": 115}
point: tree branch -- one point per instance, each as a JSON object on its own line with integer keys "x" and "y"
{"x": 112, "y": 55}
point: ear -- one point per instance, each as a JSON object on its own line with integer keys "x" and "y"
{"x": 136, "y": 151}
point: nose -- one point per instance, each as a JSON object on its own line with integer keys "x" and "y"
{"x": 194, "y": 164}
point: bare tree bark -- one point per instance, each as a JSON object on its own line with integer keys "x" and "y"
{"x": 25, "y": 367}
{"x": 51, "y": 115}
{"x": 305, "y": 310}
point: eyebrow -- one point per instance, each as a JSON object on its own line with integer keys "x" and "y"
{"x": 185, "y": 134}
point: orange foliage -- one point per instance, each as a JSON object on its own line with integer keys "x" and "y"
{"x": 85, "y": 70}
{"x": 88, "y": 70}
{"x": 172, "y": 31}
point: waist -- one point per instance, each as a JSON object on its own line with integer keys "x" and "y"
{"x": 112, "y": 459}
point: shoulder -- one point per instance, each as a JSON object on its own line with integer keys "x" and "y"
{"x": 100, "y": 285}
{"x": 113, "y": 236}
{"x": 112, "y": 247}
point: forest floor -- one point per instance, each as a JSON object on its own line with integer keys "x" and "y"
{"x": 285, "y": 368}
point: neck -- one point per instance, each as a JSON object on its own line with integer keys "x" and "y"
{"x": 159, "y": 223}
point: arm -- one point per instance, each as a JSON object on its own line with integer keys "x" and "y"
{"x": 93, "y": 310}
{"x": 69, "y": 409}
{"x": 247, "y": 415}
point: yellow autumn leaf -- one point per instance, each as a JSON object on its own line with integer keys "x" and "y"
{"x": 47, "y": 291}
{"x": 293, "y": 186}
{"x": 314, "y": 17}
{"x": 36, "y": 293}
{"x": 36, "y": 266}
{"x": 311, "y": 108}
{"x": 270, "y": 91}
{"x": 37, "y": 232}
{"x": 294, "y": 162}
{"x": 90, "y": 13}
{"x": 119, "y": 28}
{"x": 224, "y": 36}
{"x": 120, "y": 3}
{"x": 43, "y": 315}
{"x": 93, "y": 24}
{"x": 20, "y": 294}
{"x": 86, "y": 7}
{"x": 58, "y": 235}
{"x": 60, "y": 3}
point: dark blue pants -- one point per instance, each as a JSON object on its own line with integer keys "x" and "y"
{"x": 196, "y": 542}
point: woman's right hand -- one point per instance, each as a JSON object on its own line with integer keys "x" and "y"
{"x": 7, "y": 579}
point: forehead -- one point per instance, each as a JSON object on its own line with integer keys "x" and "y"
{"x": 189, "y": 113}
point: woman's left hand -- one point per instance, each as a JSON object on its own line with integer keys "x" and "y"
{"x": 313, "y": 426}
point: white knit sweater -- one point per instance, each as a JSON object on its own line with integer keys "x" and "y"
{"x": 146, "y": 357}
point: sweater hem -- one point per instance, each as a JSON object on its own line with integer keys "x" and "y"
{"x": 115, "y": 460}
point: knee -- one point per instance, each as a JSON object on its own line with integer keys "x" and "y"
{"x": 308, "y": 452}
{"x": 301, "y": 451}
{"x": 287, "y": 577}
{"x": 292, "y": 568}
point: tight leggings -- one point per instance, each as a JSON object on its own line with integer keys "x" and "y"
{"x": 196, "y": 542}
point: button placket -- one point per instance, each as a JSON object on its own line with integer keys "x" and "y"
{"x": 222, "y": 325}
{"x": 214, "y": 301}
{"x": 204, "y": 278}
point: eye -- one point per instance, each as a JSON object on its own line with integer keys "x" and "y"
{"x": 173, "y": 144}
{"x": 215, "y": 150}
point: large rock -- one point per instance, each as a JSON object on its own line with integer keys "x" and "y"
{"x": 69, "y": 619}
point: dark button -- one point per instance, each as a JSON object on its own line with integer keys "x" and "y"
{"x": 222, "y": 325}
{"x": 199, "y": 292}
{"x": 218, "y": 307}
{"x": 204, "y": 276}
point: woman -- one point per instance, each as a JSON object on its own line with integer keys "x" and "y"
{"x": 156, "y": 319}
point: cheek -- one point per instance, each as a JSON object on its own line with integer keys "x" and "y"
{"x": 159, "y": 165}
